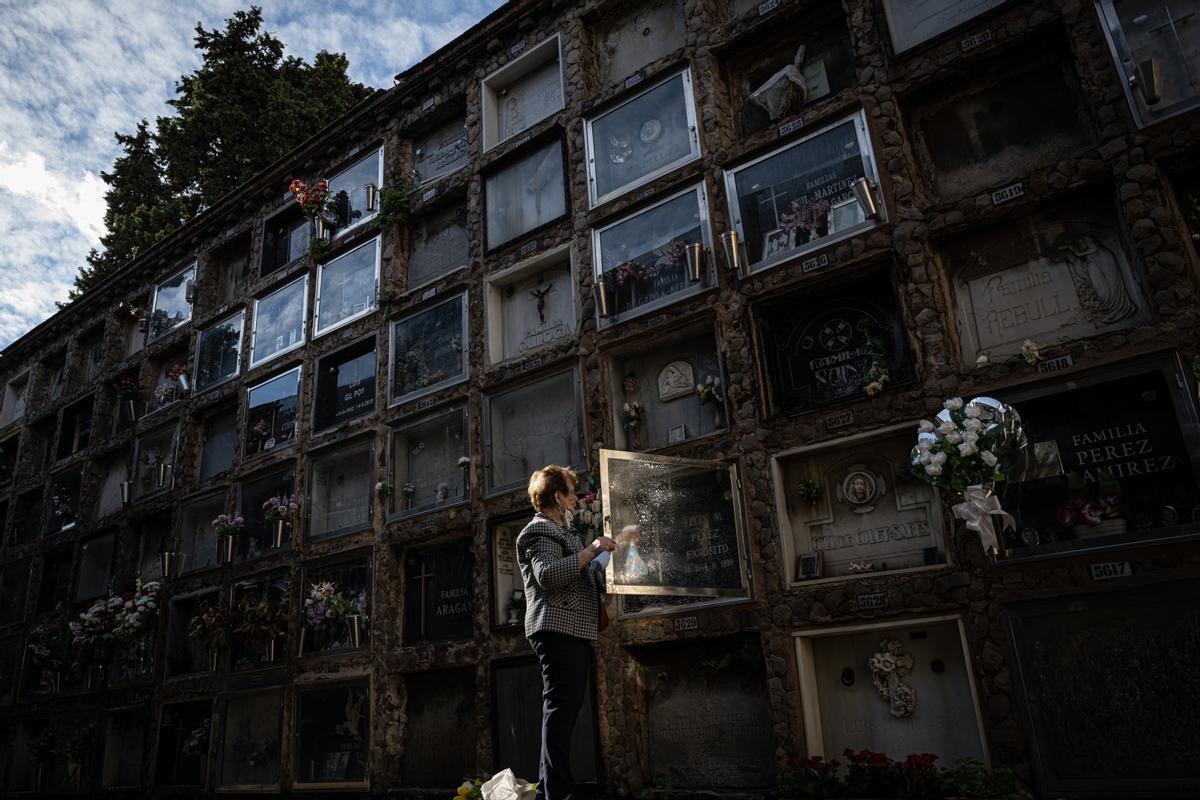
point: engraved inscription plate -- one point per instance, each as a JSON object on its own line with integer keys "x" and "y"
{"x": 868, "y": 516}
{"x": 439, "y": 245}
{"x": 537, "y": 310}
{"x": 1057, "y": 274}
{"x": 529, "y": 100}
{"x": 913, "y": 22}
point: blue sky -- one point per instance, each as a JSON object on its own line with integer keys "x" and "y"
{"x": 74, "y": 71}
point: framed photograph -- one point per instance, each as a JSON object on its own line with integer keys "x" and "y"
{"x": 677, "y": 434}
{"x": 845, "y": 214}
{"x": 809, "y": 566}
{"x": 776, "y": 241}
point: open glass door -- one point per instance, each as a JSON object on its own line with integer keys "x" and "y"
{"x": 692, "y": 527}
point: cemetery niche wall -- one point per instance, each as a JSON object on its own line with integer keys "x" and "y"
{"x": 541, "y": 210}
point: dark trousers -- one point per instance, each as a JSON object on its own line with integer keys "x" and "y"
{"x": 564, "y": 663}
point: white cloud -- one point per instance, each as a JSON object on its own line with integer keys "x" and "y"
{"x": 73, "y": 72}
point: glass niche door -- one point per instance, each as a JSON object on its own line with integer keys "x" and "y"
{"x": 691, "y": 535}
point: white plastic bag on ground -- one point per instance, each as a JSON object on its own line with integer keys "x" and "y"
{"x": 507, "y": 786}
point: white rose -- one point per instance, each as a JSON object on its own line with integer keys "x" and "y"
{"x": 925, "y": 426}
{"x": 967, "y": 448}
{"x": 972, "y": 411}
{"x": 972, "y": 423}
{"x": 982, "y": 360}
{"x": 924, "y": 445}
{"x": 947, "y": 427}
{"x": 953, "y": 404}
{"x": 954, "y": 437}
{"x": 933, "y": 469}
{"x": 939, "y": 458}
{"x": 925, "y": 458}
{"x": 989, "y": 458}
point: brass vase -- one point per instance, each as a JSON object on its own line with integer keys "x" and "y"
{"x": 354, "y": 630}
{"x": 279, "y": 526}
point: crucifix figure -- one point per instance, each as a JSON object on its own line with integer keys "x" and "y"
{"x": 540, "y": 296}
{"x": 424, "y": 576}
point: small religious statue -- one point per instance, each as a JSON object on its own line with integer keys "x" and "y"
{"x": 887, "y": 668}
{"x": 540, "y": 296}
{"x": 630, "y": 384}
{"x": 677, "y": 379}
{"x": 861, "y": 489}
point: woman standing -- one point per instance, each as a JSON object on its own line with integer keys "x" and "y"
{"x": 562, "y": 615}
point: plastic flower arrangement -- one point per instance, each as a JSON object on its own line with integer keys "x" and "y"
{"x": 128, "y": 311}
{"x": 196, "y": 743}
{"x": 175, "y": 371}
{"x": 282, "y": 507}
{"x": 326, "y": 605}
{"x": 116, "y": 617}
{"x": 1081, "y": 511}
{"x": 633, "y": 414}
{"x": 808, "y": 491}
{"x": 676, "y": 252}
{"x": 877, "y": 374}
{"x": 259, "y": 620}
{"x": 805, "y": 216}
{"x": 229, "y": 524}
{"x": 127, "y": 386}
{"x": 709, "y": 392}
{"x": 312, "y": 199}
{"x": 588, "y": 522}
{"x": 260, "y": 428}
{"x": 214, "y": 626}
{"x": 629, "y": 271}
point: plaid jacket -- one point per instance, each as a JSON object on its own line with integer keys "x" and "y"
{"x": 559, "y": 597}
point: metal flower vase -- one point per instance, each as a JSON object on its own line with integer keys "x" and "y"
{"x": 226, "y": 546}
{"x": 354, "y": 629}
{"x": 214, "y": 660}
{"x": 269, "y": 649}
{"x": 278, "y": 528}
{"x": 132, "y": 410}
{"x": 167, "y": 562}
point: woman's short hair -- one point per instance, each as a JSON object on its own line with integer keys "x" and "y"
{"x": 548, "y": 480}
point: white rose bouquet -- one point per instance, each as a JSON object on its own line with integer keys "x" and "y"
{"x": 969, "y": 444}
{"x": 965, "y": 451}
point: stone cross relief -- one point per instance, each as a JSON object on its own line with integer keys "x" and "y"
{"x": 887, "y": 668}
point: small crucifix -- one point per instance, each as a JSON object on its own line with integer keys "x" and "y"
{"x": 424, "y": 576}
{"x": 540, "y": 296}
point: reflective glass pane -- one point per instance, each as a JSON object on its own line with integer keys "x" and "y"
{"x": 346, "y": 286}
{"x": 271, "y": 412}
{"x": 648, "y": 133}
{"x": 279, "y": 321}
{"x": 348, "y": 194}
{"x": 644, "y": 257}
{"x": 218, "y": 353}
{"x": 171, "y": 308}
{"x": 525, "y": 195}
{"x": 428, "y": 349}
{"x": 797, "y": 196}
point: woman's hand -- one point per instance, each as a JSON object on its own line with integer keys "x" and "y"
{"x": 598, "y": 546}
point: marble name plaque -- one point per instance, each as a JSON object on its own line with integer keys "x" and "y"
{"x": 442, "y": 151}
{"x": 439, "y": 245}
{"x": 536, "y": 311}
{"x": 919, "y": 701}
{"x": 1054, "y": 275}
{"x": 529, "y": 100}
{"x": 819, "y": 350}
{"x": 913, "y": 22}
{"x": 865, "y": 514}
{"x": 345, "y": 385}
{"x": 439, "y": 594}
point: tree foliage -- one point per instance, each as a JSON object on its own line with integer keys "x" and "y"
{"x": 240, "y": 111}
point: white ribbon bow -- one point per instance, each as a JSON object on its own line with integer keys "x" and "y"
{"x": 976, "y": 510}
